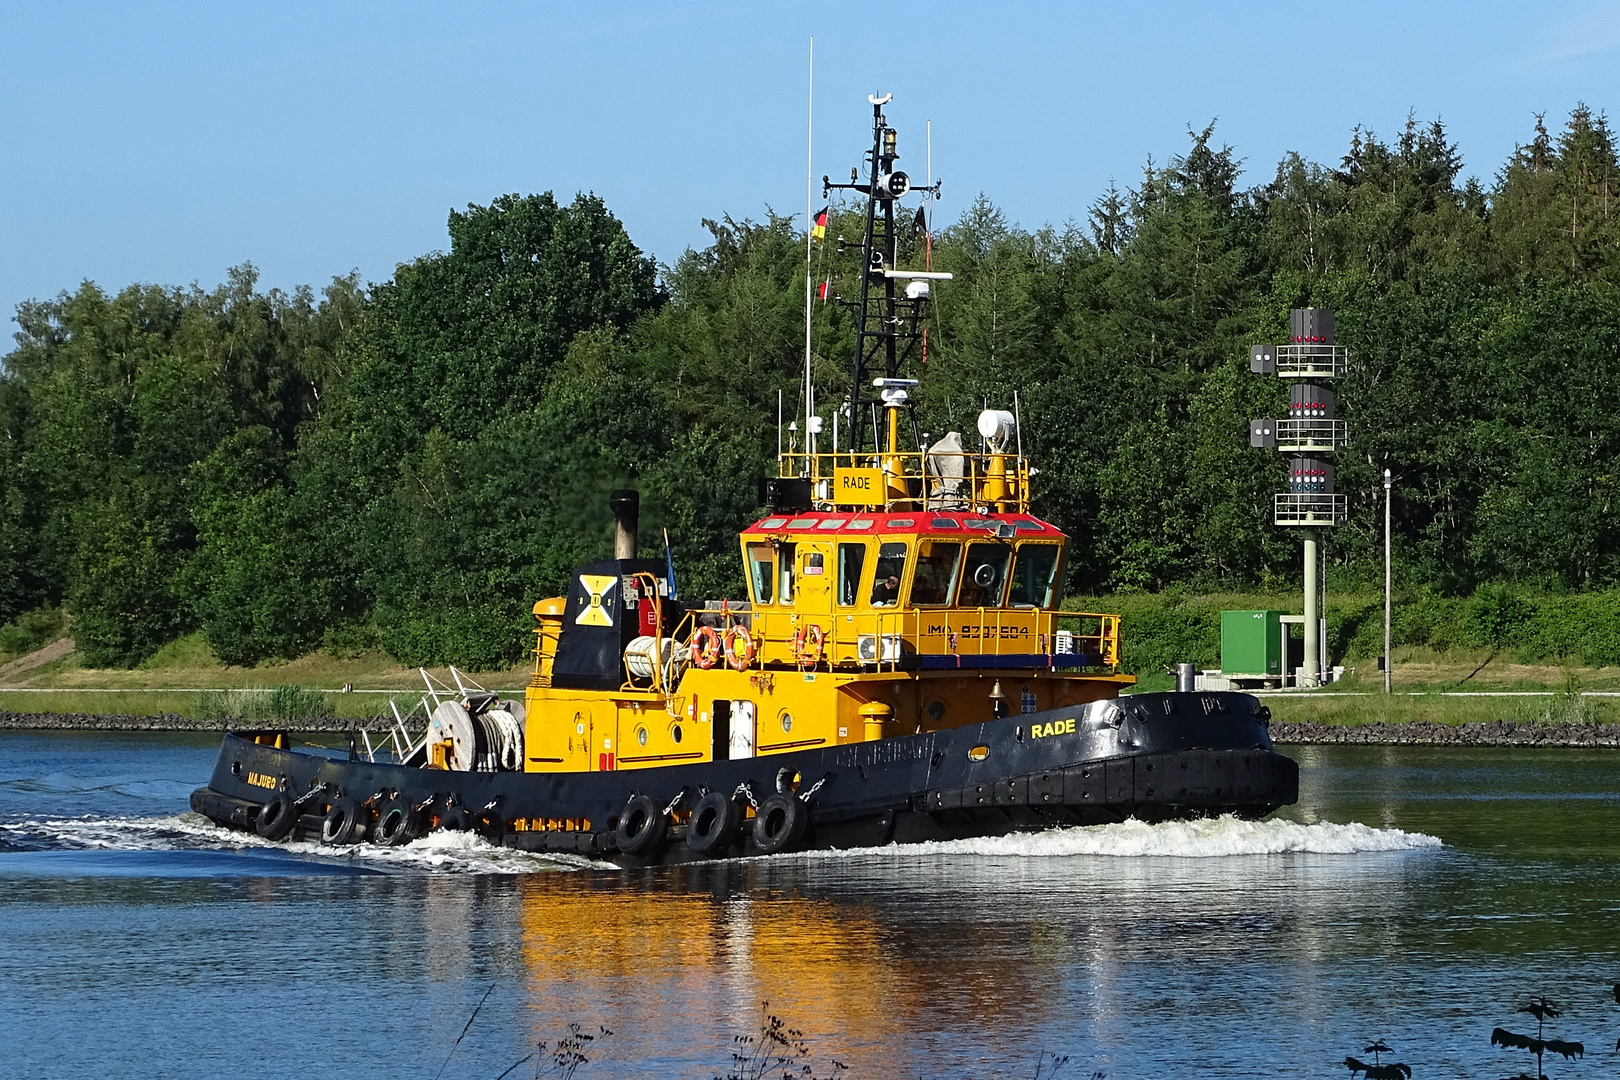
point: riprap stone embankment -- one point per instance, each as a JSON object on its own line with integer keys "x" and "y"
{"x": 176, "y": 722}
{"x": 1422, "y": 733}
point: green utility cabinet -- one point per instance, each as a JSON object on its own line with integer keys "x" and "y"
{"x": 1252, "y": 643}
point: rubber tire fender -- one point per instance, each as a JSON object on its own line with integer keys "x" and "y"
{"x": 344, "y": 823}
{"x": 276, "y": 817}
{"x": 398, "y": 824}
{"x": 455, "y": 818}
{"x": 641, "y": 826}
{"x": 779, "y": 823}
{"x": 490, "y": 824}
{"x": 714, "y": 824}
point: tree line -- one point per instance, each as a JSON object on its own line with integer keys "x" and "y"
{"x": 410, "y": 464}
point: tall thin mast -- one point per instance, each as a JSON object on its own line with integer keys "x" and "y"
{"x": 809, "y": 229}
{"x": 857, "y": 428}
{"x": 899, "y": 322}
{"x": 930, "y": 197}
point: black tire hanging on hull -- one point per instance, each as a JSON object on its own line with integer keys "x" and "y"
{"x": 398, "y": 823}
{"x": 641, "y": 826}
{"x": 490, "y": 825}
{"x": 714, "y": 824}
{"x": 779, "y": 823}
{"x": 454, "y": 819}
{"x": 276, "y": 818}
{"x": 344, "y": 823}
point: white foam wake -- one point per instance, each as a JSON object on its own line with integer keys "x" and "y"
{"x": 439, "y": 852}
{"x": 1206, "y": 839}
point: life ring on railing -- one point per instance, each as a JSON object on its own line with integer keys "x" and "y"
{"x": 739, "y": 648}
{"x": 705, "y": 651}
{"x": 808, "y": 644}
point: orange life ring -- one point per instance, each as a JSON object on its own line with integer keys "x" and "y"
{"x": 705, "y": 650}
{"x": 808, "y": 643}
{"x": 739, "y": 648}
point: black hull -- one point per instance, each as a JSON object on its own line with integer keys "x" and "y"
{"x": 1153, "y": 757}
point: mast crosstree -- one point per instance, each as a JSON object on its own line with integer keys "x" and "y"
{"x": 886, "y": 342}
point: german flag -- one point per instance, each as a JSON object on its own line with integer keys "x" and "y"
{"x": 818, "y": 230}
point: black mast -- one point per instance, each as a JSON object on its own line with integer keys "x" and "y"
{"x": 901, "y": 316}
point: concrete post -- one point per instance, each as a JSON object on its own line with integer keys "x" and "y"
{"x": 1310, "y": 670}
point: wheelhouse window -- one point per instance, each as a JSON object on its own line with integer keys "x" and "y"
{"x": 761, "y": 571}
{"x": 851, "y": 558}
{"x": 784, "y": 577}
{"x": 889, "y": 572}
{"x": 934, "y": 581}
{"x": 1034, "y": 576}
{"x": 986, "y": 574}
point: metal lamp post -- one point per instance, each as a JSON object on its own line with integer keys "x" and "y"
{"x": 1388, "y": 661}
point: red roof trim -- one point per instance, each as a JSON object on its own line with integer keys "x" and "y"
{"x": 922, "y": 524}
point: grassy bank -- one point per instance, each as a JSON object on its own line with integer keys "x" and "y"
{"x": 185, "y": 678}
{"x": 256, "y": 706}
{"x": 1496, "y": 639}
{"x": 1377, "y": 708}
{"x": 190, "y": 663}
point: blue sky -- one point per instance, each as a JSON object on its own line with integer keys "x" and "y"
{"x": 165, "y": 142}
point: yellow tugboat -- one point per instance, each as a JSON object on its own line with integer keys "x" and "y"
{"x": 900, "y": 670}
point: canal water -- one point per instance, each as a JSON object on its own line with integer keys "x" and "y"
{"x": 1415, "y": 894}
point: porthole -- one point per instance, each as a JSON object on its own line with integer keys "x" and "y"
{"x": 236, "y": 768}
{"x": 641, "y": 736}
{"x": 936, "y": 711}
{"x": 979, "y": 753}
{"x": 787, "y": 721}
{"x": 675, "y": 733}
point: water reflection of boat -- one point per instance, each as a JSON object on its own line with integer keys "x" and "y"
{"x": 900, "y": 671}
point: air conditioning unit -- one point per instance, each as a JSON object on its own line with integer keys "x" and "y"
{"x": 1064, "y": 642}
{"x": 867, "y": 646}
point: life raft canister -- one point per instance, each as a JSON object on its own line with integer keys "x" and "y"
{"x": 739, "y": 648}
{"x": 705, "y": 650}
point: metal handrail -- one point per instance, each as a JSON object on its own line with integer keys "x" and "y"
{"x": 981, "y": 475}
{"x": 840, "y": 648}
{"x": 1301, "y": 433}
{"x": 1309, "y": 361}
{"x": 1308, "y": 508}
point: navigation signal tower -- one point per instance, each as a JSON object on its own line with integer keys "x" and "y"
{"x": 1309, "y": 363}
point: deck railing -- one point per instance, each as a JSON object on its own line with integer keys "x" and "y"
{"x": 891, "y": 640}
{"x": 921, "y": 481}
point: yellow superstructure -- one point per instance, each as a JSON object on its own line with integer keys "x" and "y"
{"x": 909, "y": 594}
